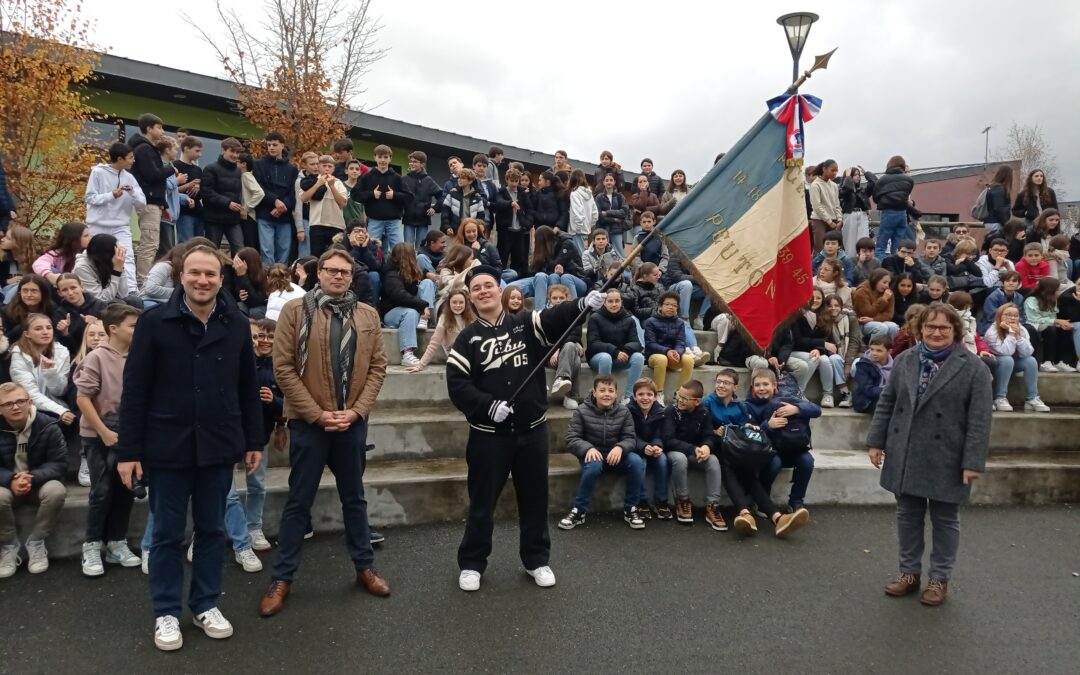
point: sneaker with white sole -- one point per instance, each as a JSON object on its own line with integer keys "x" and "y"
{"x": 1048, "y": 367}
{"x": 259, "y": 541}
{"x": 167, "y": 635}
{"x": 91, "y": 559}
{"x": 409, "y": 360}
{"x": 700, "y": 357}
{"x": 698, "y": 324}
{"x": 561, "y": 386}
{"x": 145, "y": 561}
{"x": 1002, "y": 405}
{"x": 569, "y": 403}
{"x": 469, "y": 581}
{"x": 1064, "y": 367}
{"x": 118, "y": 553}
{"x": 37, "y": 556}
{"x": 248, "y": 560}
{"x": 827, "y": 401}
{"x": 543, "y": 576}
{"x": 214, "y": 624}
{"x": 633, "y": 518}
{"x": 422, "y": 324}
{"x": 845, "y": 399}
{"x": 572, "y": 519}
{"x": 1036, "y": 405}
{"x": 9, "y": 560}
{"x": 84, "y": 473}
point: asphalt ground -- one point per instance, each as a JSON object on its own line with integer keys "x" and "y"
{"x": 667, "y": 599}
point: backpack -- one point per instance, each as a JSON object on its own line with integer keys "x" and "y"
{"x": 980, "y": 211}
{"x": 786, "y": 384}
{"x": 746, "y": 447}
{"x": 794, "y": 438}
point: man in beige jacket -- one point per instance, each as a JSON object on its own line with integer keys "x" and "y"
{"x": 330, "y": 364}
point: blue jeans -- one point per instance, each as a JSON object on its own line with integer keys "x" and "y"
{"x": 236, "y": 521}
{"x": 618, "y": 242}
{"x": 507, "y": 276}
{"x": 425, "y": 263}
{"x": 426, "y": 291}
{"x": 256, "y": 493}
{"x": 1004, "y": 369}
{"x": 631, "y": 464}
{"x": 872, "y": 328}
{"x": 803, "y": 463}
{"x": 303, "y": 248}
{"x": 386, "y": 231}
{"x": 893, "y": 229}
{"x": 275, "y": 236}
{"x": 536, "y": 287}
{"x": 579, "y": 241}
{"x": 171, "y": 490}
{"x": 405, "y": 320}
{"x": 188, "y": 226}
{"x": 311, "y": 450}
{"x": 415, "y": 235}
{"x": 603, "y": 364}
{"x": 661, "y": 468}
{"x": 688, "y": 291}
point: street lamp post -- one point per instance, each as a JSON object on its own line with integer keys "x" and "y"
{"x": 797, "y": 27}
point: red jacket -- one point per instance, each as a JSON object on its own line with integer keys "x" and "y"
{"x": 1029, "y": 276}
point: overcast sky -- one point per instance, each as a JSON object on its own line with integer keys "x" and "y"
{"x": 679, "y": 82}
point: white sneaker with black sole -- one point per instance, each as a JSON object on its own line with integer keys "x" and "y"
{"x": 214, "y": 624}
{"x": 167, "y": 635}
{"x": 469, "y": 581}
{"x": 572, "y": 519}
{"x": 248, "y": 560}
{"x": 543, "y": 576}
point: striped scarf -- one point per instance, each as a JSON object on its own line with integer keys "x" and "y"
{"x": 930, "y": 361}
{"x": 342, "y": 308}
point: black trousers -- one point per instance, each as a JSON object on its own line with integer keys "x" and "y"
{"x": 744, "y": 485}
{"x": 514, "y": 250}
{"x": 234, "y": 233}
{"x": 109, "y": 511}
{"x": 491, "y": 459}
{"x": 322, "y": 238}
{"x": 1057, "y": 345}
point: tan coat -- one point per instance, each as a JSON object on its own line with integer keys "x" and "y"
{"x": 307, "y": 397}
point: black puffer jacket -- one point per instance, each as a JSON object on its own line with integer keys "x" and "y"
{"x": 806, "y": 338}
{"x": 685, "y": 431}
{"x": 592, "y": 427}
{"x": 642, "y": 299}
{"x": 675, "y": 271}
{"x": 221, "y": 185}
{"x": 566, "y": 254}
{"x": 487, "y": 254}
{"x": 397, "y": 292}
{"x": 997, "y": 203}
{"x": 149, "y": 171}
{"x": 893, "y": 190}
{"x": 613, "y": 212}
{"x": 550, "y": 208}
{"x": 857, "y": 197}
{"x": 612, "y": 333}
{"x": 46, "y": 451}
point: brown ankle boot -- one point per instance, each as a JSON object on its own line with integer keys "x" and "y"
{"x": 935, "y": 593}
{"x": 902, "y": 584}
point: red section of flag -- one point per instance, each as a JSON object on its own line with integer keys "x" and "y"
{"x": 783, "y": 290}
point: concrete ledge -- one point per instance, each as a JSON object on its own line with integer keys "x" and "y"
{"x": 415, "y": 492}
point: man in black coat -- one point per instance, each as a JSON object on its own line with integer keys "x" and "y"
{"x": 189, "y": 411}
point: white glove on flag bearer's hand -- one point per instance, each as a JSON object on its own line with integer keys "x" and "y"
{"x": 502, "y": 411}
{"x": 594, "y": 300}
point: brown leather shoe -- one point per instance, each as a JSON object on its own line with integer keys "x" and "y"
{"x": 935, "y": 593}
{"x": 902, "y": 584}
{"x": 374, "y": 583}
{"x": 274, "y": 600}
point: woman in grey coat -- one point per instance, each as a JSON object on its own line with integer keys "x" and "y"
{"x": 931, "y": 430}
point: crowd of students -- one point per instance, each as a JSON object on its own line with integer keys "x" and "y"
{"x": 70, "y": 309}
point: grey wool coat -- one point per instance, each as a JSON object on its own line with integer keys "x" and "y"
{"x": 929, "y": 443}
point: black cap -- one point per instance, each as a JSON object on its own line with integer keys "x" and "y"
{"x": 481, "y": 270}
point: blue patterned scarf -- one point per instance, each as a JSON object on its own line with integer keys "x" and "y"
{"x": 930, "y": 361}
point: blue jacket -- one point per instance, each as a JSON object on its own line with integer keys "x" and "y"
{"x": 649, "y": 429}
{"x": 994, "y": 301}
{"x": 722, "y": 415}
{"x": 841, "y": 255}
{"x": 869, "y": 381}
{"x": 277, "y": 178}
{"x": 264, "y": 377}
{"x": 190, "y": 397}
{"x": 761, "y": 409}
{"x": 663, "y": 334}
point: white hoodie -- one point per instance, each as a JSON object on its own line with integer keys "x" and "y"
{"x": 104, "y": 210}
{"x": 583, "y": 211}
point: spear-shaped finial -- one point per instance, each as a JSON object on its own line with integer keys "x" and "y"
{"x": 820, "y": 63}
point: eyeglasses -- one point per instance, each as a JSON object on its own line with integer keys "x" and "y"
{"x": 680, "y": 397}
{"x": 17, "y": 403}
{"x": 931, "y": 328}
{"x": 725, "y": 383}
{"x": 335, "y": 272}
{"x": 262, "y": 337}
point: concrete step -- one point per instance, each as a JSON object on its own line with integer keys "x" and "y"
{"x": 435, "y": 490}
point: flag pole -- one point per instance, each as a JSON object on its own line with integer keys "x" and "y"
{"x": 611, "y": 282}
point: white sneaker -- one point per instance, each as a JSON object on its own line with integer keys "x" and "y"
{"x": 469, "y": 581}
{"x": 827, "y": 401}
{"x": 1064, "y": 367}
{"x": 91, "y": 559}
{"x": 38, "y": 556}
{"x": 145, "y": 561}
{"x": 167, "y": 635}
{"x": 9, "y": 560}
{"x": 422, "y": 325}
{"x": 1047, "y": 367}
{"x": 1036, "y": 405}
{"x": 259, "y": 541}
{"x": 700, "y": 357}
{"x": 1002, "y": 405}
{"x": 214, "y": 624}
{"x": 560, "y": 386}
{"x": 118, "y": 553}
{"x": 569, "y": 403}
{"x": 84, "y": 473}
{"x": 191, "y": 549}
{"x": 698, "y": 324}
{"x": 845, "y": 400}
{"x": 409, "y": 360}
{"x": 543, "y": 576}
{"x": 248, "y": 560}
{"x": 309, "y": 534}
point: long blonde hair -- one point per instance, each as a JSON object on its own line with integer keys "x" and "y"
{"x": 28, "y": 347}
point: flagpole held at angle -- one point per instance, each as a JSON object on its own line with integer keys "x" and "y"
{"x": 820, "y": 63}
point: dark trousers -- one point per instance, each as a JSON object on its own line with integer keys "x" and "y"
{"x": 311, "y": 450}
{"x": 171, "y": 490}
{"x": 514, "y": 251}
{"x": 166, "y": 238}
{"x": 802, "y": 462}
{"x": 110, "y": 502}
{"x": 250, "y": 229}
{"x": 491, "y": 458}
{"x": 233, "y": 233}
{"x": 744, "y": 485}
{"x": 1056, "y": 345}
{"x": 322, "y": 237}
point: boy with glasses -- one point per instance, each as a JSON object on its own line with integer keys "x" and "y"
{"x": 690, "y": 443}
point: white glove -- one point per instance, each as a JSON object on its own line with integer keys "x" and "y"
{"x": 594, "y": 300}
{"x": 502, "y": 411}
